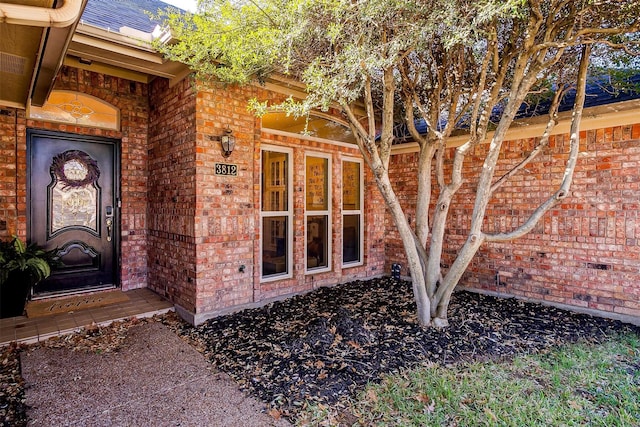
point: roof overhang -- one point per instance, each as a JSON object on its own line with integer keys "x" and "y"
{"x": 38, "y": 36}
{"x": 127, "y": 53}
{"x": 34, "y": 35}
{"x": 615, "y": 114}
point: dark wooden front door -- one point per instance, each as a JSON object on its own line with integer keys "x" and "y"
{"x": 73, "y": 206}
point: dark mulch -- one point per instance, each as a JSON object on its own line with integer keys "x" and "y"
{"x": 328, "y": 344}
{"x": 12, "y": 407}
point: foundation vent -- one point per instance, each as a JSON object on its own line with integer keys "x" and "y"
{"x": 12, "y": 63}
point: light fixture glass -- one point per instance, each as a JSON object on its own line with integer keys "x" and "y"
{"x": 228, "y": 142}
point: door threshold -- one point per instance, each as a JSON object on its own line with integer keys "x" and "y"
{"x": 73, "y": 292}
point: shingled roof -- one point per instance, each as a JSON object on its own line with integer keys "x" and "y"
{"x": 598, "y": 92}
{"x": 115, "y": 14}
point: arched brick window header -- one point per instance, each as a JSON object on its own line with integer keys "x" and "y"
{"x": 78, "y": 109}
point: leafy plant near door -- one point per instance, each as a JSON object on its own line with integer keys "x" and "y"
{"x": 21, "y": 267}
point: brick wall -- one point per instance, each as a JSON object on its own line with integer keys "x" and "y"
{"x": 225, "y": 211}
{"x": 131, "y": 98}
{"x": 172, "y": 192}
{"x": 584, "y": 253}
{"x": 13, "y": 199}
{"x": 227, "y": 224}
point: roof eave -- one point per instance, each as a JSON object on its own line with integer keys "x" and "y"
{"x": 58, "y": 25}
{"x": 615, "y": 114}
{"x": 122, "y": 55}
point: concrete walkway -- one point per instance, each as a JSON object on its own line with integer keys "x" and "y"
{"x": 155, "y": 379}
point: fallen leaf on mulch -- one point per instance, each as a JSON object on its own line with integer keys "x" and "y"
{"x": 274, "y": 413}
{"x": 328, "y": 344}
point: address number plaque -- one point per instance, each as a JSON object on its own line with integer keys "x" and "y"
{"x": 226, "y": 169}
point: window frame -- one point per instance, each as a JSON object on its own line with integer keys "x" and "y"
{"x": 345, "y": 212}
{"x": 288, "y": 214}
{"x": 327, "y": 213}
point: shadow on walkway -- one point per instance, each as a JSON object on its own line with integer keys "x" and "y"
{"x": 154, "y": 379}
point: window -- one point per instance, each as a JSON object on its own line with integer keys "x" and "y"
{"x": 318, "y": 213}
{"x": 276, "y": 214}
{"x": 352, "y": 202}
{"x": 78, "y": 109}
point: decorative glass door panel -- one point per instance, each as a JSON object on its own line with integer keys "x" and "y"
{"x": 74, "y": 194}
{"x": 72, "y": 208}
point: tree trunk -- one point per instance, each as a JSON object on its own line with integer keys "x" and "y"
{"x": 423, "y": 301}
{"x": 424, "y": 193}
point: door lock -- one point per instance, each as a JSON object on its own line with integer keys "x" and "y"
{"x": 109, "y": 221}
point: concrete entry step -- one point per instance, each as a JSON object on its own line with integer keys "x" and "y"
{"x": 138, "y": 303}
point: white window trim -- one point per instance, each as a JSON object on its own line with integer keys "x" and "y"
{"x": 316, "y": 270}
{"x": 352, "y": 212}
{"x": 288, "y": 214}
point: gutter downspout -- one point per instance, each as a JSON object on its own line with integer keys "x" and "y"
{"x": 34, "y": 16}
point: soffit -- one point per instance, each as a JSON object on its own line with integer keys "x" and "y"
{"x": 123, "y": 52}
{"x": 115, "y": 39}
{"x": 30, "y": 56}
{"x": 19, "y": 49}
{"x": 114, "y": 53}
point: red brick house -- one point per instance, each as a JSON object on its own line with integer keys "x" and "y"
{"x": 113, "y": 155}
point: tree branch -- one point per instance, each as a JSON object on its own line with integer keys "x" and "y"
{"x": 563, "y": 191}
{"x": 368, "y": 98}
{"x": 544, "y": 141}
{"x": 388, "y": 99}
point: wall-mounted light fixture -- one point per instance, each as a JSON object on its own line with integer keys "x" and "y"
{"x": 228, "y": 142}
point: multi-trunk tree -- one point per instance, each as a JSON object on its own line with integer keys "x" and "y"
{"x": 457, "y": 65}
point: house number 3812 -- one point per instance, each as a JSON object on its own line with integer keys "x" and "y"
{"x": 226, "y": 169}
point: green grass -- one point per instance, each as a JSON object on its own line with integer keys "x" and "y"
{"x": 580, "y": 384}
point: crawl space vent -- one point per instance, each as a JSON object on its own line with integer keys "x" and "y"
{"x": 12, "y": 63}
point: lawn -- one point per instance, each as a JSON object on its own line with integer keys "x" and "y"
{"x": 577, "y": 384}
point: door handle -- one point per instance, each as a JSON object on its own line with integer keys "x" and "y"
{"x": 109, "y": 221}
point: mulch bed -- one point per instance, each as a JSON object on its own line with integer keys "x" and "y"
{"x": 12, "y": 407}
{"x": 328, "y": 344}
